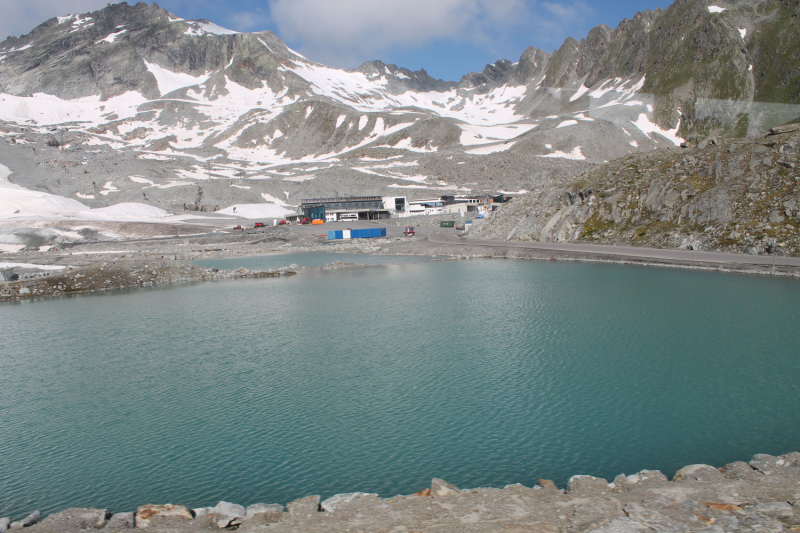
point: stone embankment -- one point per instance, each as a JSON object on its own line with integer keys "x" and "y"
{"x": 762, "y": 496}
{"x": 126, "y": 274}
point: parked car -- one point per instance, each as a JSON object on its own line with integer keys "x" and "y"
{"x": 283, "y": 223}
{"x": 258, "y": 225}
{"x": 306, "y": 221}
{"x": 237, "y": 227}
{"x": 409, "y": 232}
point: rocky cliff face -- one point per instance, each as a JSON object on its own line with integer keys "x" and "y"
{"x": 739, "y": 195}
{"x": 735, "y": 50}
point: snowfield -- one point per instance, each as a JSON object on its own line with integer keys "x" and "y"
{"x": 256, "y": 211}
{"x": 204, "y": 128}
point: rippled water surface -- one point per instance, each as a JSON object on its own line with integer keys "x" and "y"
{"x": 483, "y": 373}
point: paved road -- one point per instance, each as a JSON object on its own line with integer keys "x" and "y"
{"x": 627, "y": 251}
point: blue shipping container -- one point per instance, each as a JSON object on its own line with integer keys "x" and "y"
{"x": 370, "y": 233}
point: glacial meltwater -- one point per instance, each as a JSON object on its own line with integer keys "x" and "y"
{"x": 377, "y": 379}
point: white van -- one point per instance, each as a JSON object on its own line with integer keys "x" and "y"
{"x": 348, "y": 216}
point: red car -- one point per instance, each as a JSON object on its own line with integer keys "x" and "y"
{"x": 259, "y": 225}
{"x": 237, "y": 227}
{"x": 409, "y": 232}
{"x": 306, "y": 221}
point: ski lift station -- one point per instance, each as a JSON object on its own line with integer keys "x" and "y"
{"x": 352, "y": 208}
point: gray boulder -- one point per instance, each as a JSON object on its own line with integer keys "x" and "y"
{"x": 121, "y": 521}
{"x": 200, "y": 512}
{"x": 645, "y": 478}
{"x": 587, "y": 485}
{"x": 761, "y": 522}
{"x": 739, "y": 470}
{"x": 698, "y": 473}
{"x": 441, "y": 488}
{"x": 4, "y": 523}
{"x": 78, "y": 518}
{"x": 779, "y": 510}
{"x": 768, "y": 464}
{"x": 32, "y": 519}
{"x": 263, "y": 513}
{"x": 790, "y": 128}
{"x": 304, "y": 506}
{"x": 653, "y": 519}
{"x": 152, "y": 515}
{"x": 226, "y": 514}
{"x": 775, "y": 217}
{"x": 262, "y": 508}
{"x": 340, "y": 500}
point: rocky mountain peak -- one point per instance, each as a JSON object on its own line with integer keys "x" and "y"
{"x": 123, "y": 48}
{"x": 401, "y": 80}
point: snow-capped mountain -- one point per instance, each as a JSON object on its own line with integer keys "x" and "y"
{"x": 138, "y": 104}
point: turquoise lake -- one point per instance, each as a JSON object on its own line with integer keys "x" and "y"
{"x": 377, "y": 379}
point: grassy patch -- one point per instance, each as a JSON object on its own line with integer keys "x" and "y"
{"x": 742, "y": 126}
{"x": 653, "y": 229}
{"x": 594, "y": 225}
{"x": 700, "y": 184}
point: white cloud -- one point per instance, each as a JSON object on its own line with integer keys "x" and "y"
{"x": 21, "y": 16}
{"x": 339, "y": 32}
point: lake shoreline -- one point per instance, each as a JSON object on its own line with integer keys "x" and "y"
{"x": 761, "y": 495}
{"x": 163, "y": 262}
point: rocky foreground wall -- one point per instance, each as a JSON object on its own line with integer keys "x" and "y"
{"x": 757, "y": 497}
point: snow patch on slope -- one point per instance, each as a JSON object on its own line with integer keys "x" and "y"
{"x": 472, "y": 134}
{"x": 647, "y": 127}
{"x": 129, "y": 210}
{"x": 18, "y": 202}
{"x": 111, "y": 38}
{"x": 493, "y": 149}
{"x": 580, "y": 92}
{"x": 357, "y": 90}
{"x": 575, "y": 155}
{"x": 169, "y": 81}
{"x": 198, "y": 28}
{"x": 32, "y": 266}
{"x": 45, "y": 109}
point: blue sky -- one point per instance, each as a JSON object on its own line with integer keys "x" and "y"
{"x": 448, "y": 38}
